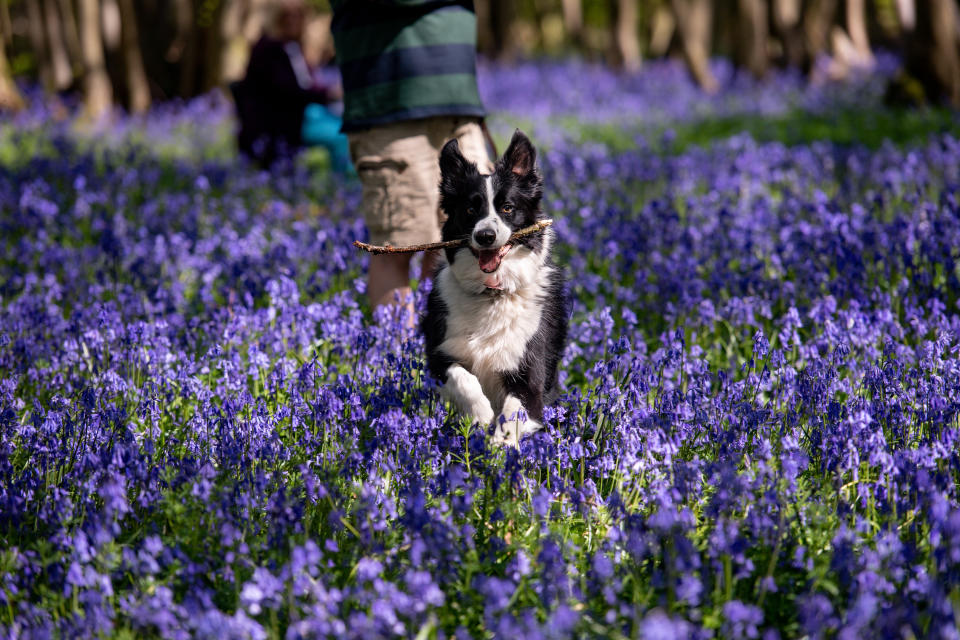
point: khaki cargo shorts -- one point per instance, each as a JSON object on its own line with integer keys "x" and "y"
{"x": 399, "y": 168}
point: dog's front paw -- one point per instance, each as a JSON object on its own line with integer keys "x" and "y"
{"x": 513, "y": 423}
{"x": 510, "y": 432}
{"x": 482, "y": 412}
{"x": 464, "y": 390}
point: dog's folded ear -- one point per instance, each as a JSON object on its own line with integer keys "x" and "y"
{"x": 520, "y": 156}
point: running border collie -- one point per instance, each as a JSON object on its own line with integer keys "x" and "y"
{"x": 496, "y": 319}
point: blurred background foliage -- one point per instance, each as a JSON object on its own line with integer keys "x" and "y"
{"x": 135, "y": 52}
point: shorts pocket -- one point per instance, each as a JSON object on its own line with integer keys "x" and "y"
{"x": 382, "y": 211}
{"x": 376, "y": 164}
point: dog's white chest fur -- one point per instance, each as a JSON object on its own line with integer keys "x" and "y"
{"x": 489, "y": 333}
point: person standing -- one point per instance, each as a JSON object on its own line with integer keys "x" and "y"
{"x": 410, "y": 84}
{"x": 279, "y": 101}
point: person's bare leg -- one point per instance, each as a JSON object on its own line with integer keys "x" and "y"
{"x": 388, "y": 281}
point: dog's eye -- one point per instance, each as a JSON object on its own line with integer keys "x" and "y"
{"x": 471, "y": 211}
{"x": 507, "y": 208}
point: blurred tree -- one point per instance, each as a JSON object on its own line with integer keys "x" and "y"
{"x": 138, "y": 89}
{"x": 818, "y": 16}
{"x": 787, "y": 23}
{"x": 97, "y": 90}
{"x": 158, "y": 48}
{"x": 503, "y": 14}
{"x": 38, "y": 42}
{"x": 857, "y": 28}
{"x": 6, "y": 28}
{"x": 572, "y": 22}
{"x": 71, "y": 36}
{"x": 626, "y": 41}
{"x": 110, "y": 28}
{"x": 694, "y": 20}
{"x": 906, "y": 14}
{"x": 210, "y": 19}
{"x": 233, "y": 47}
{"x": 750, "y": 50}
{"x": 485, "y": 43}
{"x": 663, "y": 25}
{"x": 59, "y": 59}
{"x": 183, "y": 21}
{"x": 930, "y": 48}
{"x": 10, "y": 98}
{"x": 184, "y": 12}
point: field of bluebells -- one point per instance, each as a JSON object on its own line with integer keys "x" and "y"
{"x": 204, "y": 433}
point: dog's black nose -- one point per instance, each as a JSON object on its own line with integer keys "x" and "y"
{"x": 485, "y": 237}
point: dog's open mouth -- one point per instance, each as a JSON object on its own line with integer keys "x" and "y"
{"x": 489, "y": 259}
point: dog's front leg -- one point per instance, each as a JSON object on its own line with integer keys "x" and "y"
{"x": 522, "y": 406}
{"x": 464, "y": 390}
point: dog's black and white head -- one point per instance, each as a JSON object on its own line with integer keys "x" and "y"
{"x": 487, "y": 209}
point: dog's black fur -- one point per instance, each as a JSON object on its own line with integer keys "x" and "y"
{"x": 527, "y": 282}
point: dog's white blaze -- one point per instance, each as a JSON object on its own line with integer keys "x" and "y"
{"x": 513, "y": 424}
{"x": 489, "y": 333}
{"x": 464, "y": 390}
{"x": 493, "y": 221}
{"x": 488, "y": 180}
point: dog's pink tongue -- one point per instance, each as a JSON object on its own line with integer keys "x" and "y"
{"x": 489, "y": 260}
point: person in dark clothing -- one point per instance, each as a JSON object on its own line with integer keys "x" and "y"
{"x": 279, "y": 91}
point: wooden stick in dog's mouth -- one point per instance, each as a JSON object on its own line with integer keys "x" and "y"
{"x": 374, "y": 248}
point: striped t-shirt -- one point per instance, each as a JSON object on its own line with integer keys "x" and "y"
{"x": 405, "y": 59}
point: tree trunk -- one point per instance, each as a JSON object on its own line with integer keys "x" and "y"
{"x": 502, "y": 16}
{"x": 233, "y": 45}
{"x": 6, "y": 26}
{"x": 786, "y": 21}
{"x": 71, "y": 36}
{"x": 213, "y": 45}
{"x": 182, "y": 18}
{"x": 752, "y": 48}
{"x": 111, "y": 29}
{"x": 817, "y": 20}
{"x": 694, "y": 19}
{"x": 253, "y": 24}
{"x": 10, "y": 98}
{"x": 59, "y": 60}
{"x": 97, "y": 91}
{"x": 857, "y": 28}
{"x": 907, "y": 14}
{"x": 573, "y": 22}
{"x": 138, "y": 89}
{"x": 39, "y": 45}
{"x": 663, "y": 24}
{"x": 485, "y": 40}
{"x": 931, "y": 51}
{"x": 184, "y": 49}
{"x": 626, "y": 42}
